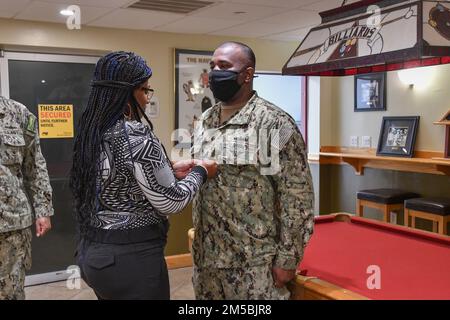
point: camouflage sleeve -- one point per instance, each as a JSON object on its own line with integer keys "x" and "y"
{"x": 34, "y": 170}
{"x": 296, "y": 198}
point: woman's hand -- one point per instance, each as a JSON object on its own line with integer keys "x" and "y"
{"x": 182, "y": 168}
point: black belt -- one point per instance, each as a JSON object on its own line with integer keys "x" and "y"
{"x": 153, "y": 232}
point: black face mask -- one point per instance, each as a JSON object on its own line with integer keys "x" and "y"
{"x": 223, "y": 84}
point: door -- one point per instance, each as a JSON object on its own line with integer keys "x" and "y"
{"x": 34, "y": 79}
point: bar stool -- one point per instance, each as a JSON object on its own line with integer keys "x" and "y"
{"x": 385, "y": 200}
{"x": 434, "y": 209}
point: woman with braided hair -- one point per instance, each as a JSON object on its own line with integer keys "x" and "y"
{"x": 124, "y": 185}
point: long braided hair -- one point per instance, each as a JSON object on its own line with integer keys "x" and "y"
{"x": 116, "y": 77}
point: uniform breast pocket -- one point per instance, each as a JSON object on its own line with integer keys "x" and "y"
{"x": 231, "y": 176}
{"x": 12, "y": 148}
{"x": 246, "y": 198}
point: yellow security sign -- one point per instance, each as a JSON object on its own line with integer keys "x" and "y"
{"x": 55, "y": 121}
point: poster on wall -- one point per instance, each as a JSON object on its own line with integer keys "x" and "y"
{"x": 192, "y": 93}
{"x": 370, "y": 92}
{"x": 55, "y": 121}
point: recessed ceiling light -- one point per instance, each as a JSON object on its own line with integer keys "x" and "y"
{"x": 43, "y": 81}
{"x": 66, "y": 12}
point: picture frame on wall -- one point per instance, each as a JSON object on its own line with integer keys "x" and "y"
{"x": 192, "y": 93}
{"x": 398, "y": 136}
{"x": 370, "y": 92}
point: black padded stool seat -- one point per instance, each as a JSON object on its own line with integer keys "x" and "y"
{"x": 439, "y": 206}
{"x": 435, "y": 209}
{"x": 386, "y": 196}
{"x": 384, "y": 200}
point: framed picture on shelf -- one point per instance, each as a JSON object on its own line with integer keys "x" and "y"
{"x": 398, "y": 136}
{"x": 192, "y": 93}
{"x": 370, "y": 92}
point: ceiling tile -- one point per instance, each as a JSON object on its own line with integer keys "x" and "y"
{"x": 9, "y": 8}
{"x": 95, "y": 3}
{"x": 44, "y": 11}
{"x": 324, "y": 5}
{"x": 199, "y": 25}
{"x": 272, "y": 3}
{"x": 135, "y": 19}
{"x": 247, "y": 12}
{"x": 252, "y": 30}
{"x": 294, "y": 18}
{"x": 247, "y": 18}
{"x": 294, "y": 35}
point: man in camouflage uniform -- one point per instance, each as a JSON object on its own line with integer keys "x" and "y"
{"x": 254, "y": 220}
{"x": 24, "y": 191}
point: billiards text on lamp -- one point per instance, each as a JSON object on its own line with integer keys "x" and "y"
{"x": 356, "y": 39}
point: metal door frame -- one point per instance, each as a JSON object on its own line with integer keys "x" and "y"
{"x": 5, "y": 56}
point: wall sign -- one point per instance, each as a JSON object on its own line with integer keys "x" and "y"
{"x": 55, "y": 121}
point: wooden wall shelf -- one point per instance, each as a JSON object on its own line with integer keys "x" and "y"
{"x": 423, "y": 161}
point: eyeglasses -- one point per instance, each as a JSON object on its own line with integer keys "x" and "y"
{"x": 148, "y": 91}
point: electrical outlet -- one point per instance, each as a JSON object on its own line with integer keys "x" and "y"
{"x": 366, "y": 142}
{"x": 354, "y": 141}
{"x": 393, "y": 217}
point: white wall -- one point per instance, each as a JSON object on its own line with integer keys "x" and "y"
{"x": 430, "y": 103}
{"x": 321, "y": 124}
{"x": 332, "y": 119}
{"x": 156, "y": 47}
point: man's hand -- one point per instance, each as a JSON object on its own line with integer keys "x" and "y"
{"x": 281, "y": 277}
{"x": 43, "y": 225}
{"x": 210, "y": 165}
{"x": 182, "y": 168}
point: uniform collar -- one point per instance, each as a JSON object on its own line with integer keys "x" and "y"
{"x": 240, "y": 118}
{"x": 243, "y": 116}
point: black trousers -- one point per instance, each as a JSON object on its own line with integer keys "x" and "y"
{"x": 135, "y": 270}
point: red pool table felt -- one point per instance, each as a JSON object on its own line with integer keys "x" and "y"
{"x": 414, "y": 264}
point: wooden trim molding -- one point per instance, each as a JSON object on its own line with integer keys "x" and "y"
{"x": 310, "y": 288}
{"x": 424, "y": 161}
{"x": 313, "y": 157}
{"x": 179, "y": 261}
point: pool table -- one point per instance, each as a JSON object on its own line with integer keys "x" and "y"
{"x": 413, "y": 264}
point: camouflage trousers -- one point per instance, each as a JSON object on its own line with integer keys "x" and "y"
{"x": 15, "y": 258}
{"x": 253, "y": 283}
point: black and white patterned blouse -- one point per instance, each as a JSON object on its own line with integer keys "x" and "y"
{"x": 136, "y": 186}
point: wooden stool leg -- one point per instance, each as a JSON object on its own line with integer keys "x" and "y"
{"x": 406, "y": 218}
{"x": 441, "y": 225}
{"x": 413, "y": 221}
{"x": 359, "y": 208}
{"x": 446, "y": 220}
{"x": 435, "y": 226}
{"x": 387, "y": 214}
